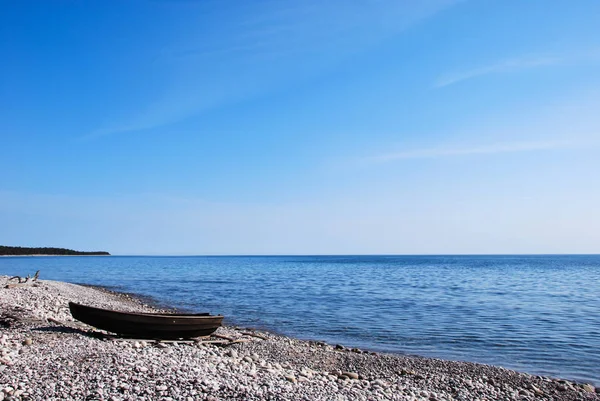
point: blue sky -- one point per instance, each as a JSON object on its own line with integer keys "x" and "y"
{"x": 301, "y": 127}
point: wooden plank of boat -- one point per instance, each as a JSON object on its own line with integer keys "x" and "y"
{"x": 169, "y": 326}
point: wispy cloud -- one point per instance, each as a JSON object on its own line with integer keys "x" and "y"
{"x": 503, "y": 66}
{"x": 509, "y": 147}
{"x": 262, "y": 49}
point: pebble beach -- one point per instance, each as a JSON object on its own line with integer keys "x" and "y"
{"x": 46, "y": 355}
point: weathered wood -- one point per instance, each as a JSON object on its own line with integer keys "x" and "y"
{"x": 255, "y": 335}
{"x": 17, "y": 285}
{"x": 53, "y": 320}
{"x": 168, "y": 326}
{"x": 23, "y": 280}
{"x": 215, "y": 342}
{"x": 71, "y": 325}
{"x": 224, "y": 337}
{"x": 239, "y": 340}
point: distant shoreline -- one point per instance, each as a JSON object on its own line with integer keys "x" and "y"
{"x": 36, "y": 255}
{"x": 46, "y": 251}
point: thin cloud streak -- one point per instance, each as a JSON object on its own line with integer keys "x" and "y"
{"x": 512, "y": 147}
{"x": 498, "y": 68}
{"x": 202, "y": 78}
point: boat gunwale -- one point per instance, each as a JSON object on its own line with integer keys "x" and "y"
{"x": 148, "y": 314}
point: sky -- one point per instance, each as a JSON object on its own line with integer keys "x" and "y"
{"x": 301, "y": 127}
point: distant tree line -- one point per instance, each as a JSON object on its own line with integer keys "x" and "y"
{"x": 18, "y": 250}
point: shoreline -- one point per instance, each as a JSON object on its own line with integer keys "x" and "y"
{"x": 42, "y": 255}
{"x": 42, "y": 359}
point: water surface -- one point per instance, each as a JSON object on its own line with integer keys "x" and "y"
{"x": 538, "y": 314}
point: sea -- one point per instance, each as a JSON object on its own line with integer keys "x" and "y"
{"x": 538, "y": 314}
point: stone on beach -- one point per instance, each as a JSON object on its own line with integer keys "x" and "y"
{"x": 41, "y": 360}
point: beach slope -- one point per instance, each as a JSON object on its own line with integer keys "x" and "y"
{"x": 45, "y": 355}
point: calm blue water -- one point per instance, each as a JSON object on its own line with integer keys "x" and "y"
{"x": 538, "y": 314}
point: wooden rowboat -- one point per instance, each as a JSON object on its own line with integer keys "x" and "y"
{"x": 167, "y": 326}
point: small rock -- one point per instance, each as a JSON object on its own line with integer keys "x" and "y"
{"x": 232, "y": 353}
{"x": 536, "y": 390}
{"x": 248, "y": 359}
{"x": 589, "y": 388}
{"x": 339, "y": 346}
{"x": 351, "y": 375}
{"x": 290, "y": 378}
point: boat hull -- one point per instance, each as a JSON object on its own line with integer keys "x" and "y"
{"x": 147, "y": 325}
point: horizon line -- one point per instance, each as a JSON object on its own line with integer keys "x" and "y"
{"x": 351, "y": 254}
